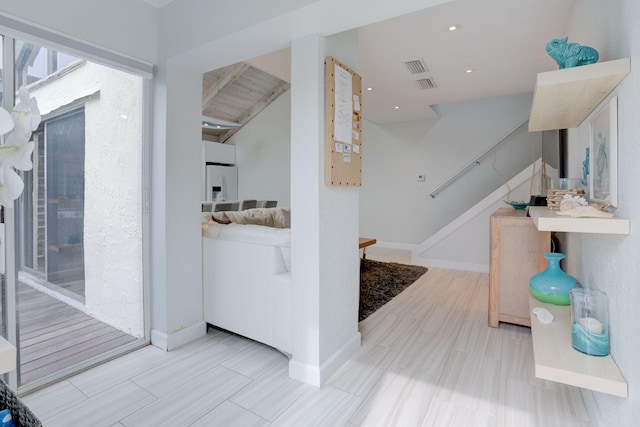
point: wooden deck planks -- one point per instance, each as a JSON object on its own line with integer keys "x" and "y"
{"x": 55, "y": 336}
{"x": 33, "y": 372}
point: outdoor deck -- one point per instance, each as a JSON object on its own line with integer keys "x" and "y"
{"x": 54, "y": 335}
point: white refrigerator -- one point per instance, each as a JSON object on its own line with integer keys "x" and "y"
{"x": 221, "y": 183}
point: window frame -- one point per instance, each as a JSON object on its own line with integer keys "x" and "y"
{"x": 11, "y": 29}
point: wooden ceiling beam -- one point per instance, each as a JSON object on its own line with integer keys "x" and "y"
{"x": 230, "y": 76}
{"x": 269, "y": 97}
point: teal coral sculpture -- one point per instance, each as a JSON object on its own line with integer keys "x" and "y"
{"x": 569, "y": 55}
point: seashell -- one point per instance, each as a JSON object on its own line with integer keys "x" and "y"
{"x": 570, "y": 202}
{"x": 585, "y": 211}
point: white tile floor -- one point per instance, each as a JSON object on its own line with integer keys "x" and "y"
{"x": 428, "y": 358}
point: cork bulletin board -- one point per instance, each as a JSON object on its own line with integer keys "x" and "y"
{"x": 343, "y": 117}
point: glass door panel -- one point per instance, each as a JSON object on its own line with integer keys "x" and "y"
{"x": 79, "y": 220}
{"x": 33, "y": 218}
{"x": 64, "y": 159}
{"x": 3, "y": 248}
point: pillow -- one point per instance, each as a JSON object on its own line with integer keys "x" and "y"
{"x": 270, "y": 217}
{"x": 282, "y": 216}
{"x": 5, "y": 418}
{"x": 220, "y": 217}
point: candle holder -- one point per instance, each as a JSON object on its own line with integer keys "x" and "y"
{"x": 589, "y": 321}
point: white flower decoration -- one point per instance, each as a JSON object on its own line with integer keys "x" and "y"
{"x": 16, "y": 151}
{"x": 6, "y": 121}
{"x": 26, "y": 114}
{"x": 11, "y": 186}
{"x": 16, "y": 155}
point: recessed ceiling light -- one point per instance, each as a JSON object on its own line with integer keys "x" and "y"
{"x": 396, "y": 107}
{"x": 453, "y": 27}
{"x": 369, "y": 88}
{"x": 469, "y": 70}
{"x": 210, "y": 122}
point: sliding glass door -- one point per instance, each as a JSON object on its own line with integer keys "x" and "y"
{"x": 53, "y": 221}
{"x": 78, "y": 293}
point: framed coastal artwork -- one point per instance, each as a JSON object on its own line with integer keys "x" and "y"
{"x": 603, "y": 176}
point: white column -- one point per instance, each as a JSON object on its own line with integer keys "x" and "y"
{"x": 325, "y": 264}
{"x": 176, "y": 247}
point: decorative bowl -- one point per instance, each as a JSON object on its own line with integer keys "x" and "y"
{"x": 517, "y": 205}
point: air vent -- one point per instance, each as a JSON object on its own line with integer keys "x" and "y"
{"x": 416, "y": 66}
{"x": 427, "y": 83}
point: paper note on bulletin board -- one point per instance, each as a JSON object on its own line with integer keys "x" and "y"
{"x": 344, "y": 126}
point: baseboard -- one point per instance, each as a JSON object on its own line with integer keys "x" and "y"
{"x": 168, "y": 342}
{"x": 317, "y": 375}
{"x": 308, "y": 374}
{"x": 451, "y": 265}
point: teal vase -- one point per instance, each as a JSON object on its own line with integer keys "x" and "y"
{"x": 552, "y": 285}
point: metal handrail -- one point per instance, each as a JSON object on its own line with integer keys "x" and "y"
{"x": 476, "y": 161}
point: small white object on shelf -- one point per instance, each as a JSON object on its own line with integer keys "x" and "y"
{"x": 543, "y": 315}
{"x": 556, "y": 360}
{"x": 585, "y": 212}
{"x": 547, "y": 220}
{"x": 570, "y": 202}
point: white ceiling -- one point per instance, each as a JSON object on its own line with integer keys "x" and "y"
{"x": 503, "y": 41}
{"x": 158, "y": 3}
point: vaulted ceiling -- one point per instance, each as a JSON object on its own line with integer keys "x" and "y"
{"x": 233, "y": 95}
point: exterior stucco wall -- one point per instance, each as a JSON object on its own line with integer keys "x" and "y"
{"x": 113, "y": 187}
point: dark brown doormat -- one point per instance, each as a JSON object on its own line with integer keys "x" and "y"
{"x": 381, "y": 281}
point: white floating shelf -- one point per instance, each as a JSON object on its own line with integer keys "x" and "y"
{"x": 556, "y": 360}
{"x": 546, "y": 219}
{"x": 564, "y": 98}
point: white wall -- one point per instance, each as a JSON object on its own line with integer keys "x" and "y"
{"x": 183, "y": 57}
{"x": 324, "y": 225}
{"x": 339, "y": 224}
{"x": 610, "y": 262}
{"x": 463, "y": 243}
{"x": 396, "y": 208}
{"x": 176, "y": 296}
{"x": 305, "y": 205}
{"x": 263, "y": 150}
{"x": 113, "y": 200}
{"x": 263, "y": 154}
{"x": 227, "y": 17}
{"x": 243, "y": 32}
{"x": 124, "y": 26}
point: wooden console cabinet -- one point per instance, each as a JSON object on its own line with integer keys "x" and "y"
{"x": 515, "y": 256}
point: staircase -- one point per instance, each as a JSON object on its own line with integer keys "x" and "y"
{"x": 463, "y": 244}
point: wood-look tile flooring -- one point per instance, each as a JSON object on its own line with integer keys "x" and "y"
{"x": 54, "y": 335}
{"x": 428, "y": 358}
